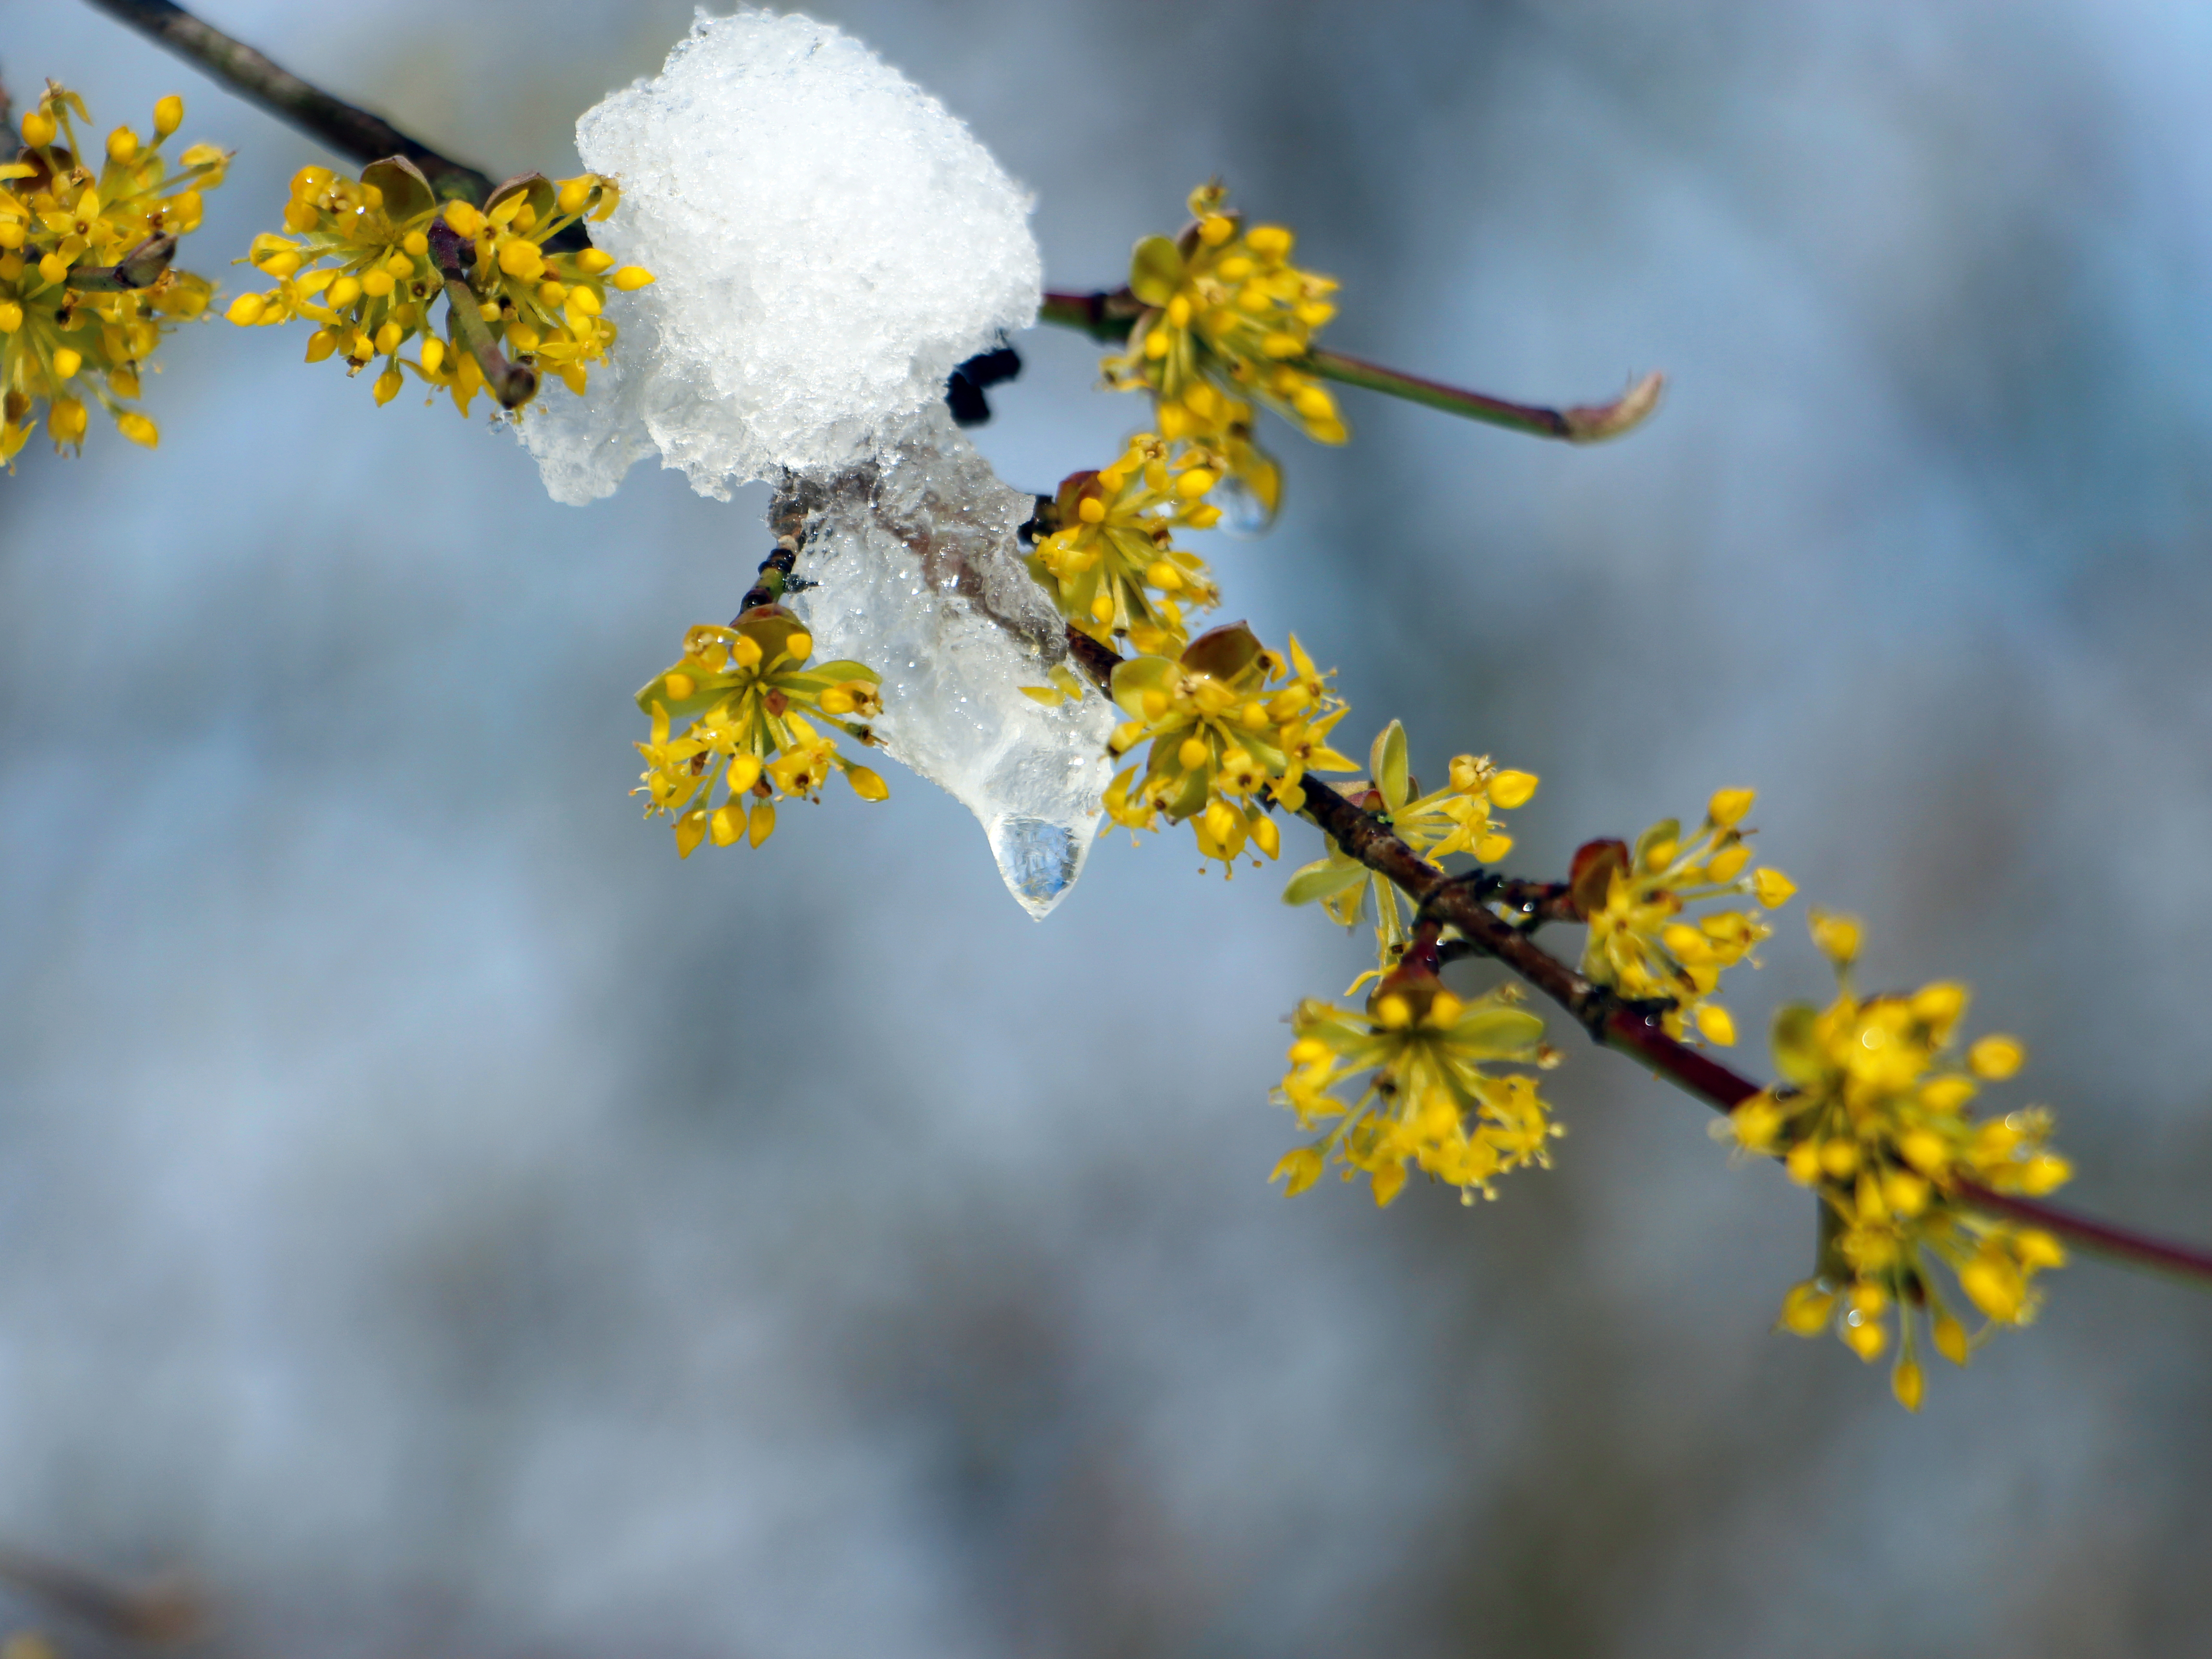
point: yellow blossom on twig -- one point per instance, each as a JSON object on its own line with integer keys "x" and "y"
{"x": 1225, "y": 737}
{"x": 739, "y": 690}
{"x": 1228, "y": 320}
{"x": 1111, "y": 565}
{"x": 357, "y": 259}
{"x": 1455, "y": 818}
{"x": 1430, "y": 1098}
{"x": 1642, "y": 944}
{"x": 87, "y": 289}
{"x": 1872, "y": 1114}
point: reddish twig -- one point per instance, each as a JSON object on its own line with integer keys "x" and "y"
{"x": 2121, "y": 1244}
{"x": 1635, "y": 1031}
{"x": 1107, "y": 315}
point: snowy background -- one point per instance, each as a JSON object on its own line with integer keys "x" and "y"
{"x": 440, "y": 1223}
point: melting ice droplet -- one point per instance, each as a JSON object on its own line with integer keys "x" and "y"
{"x": 1039, "y": 858}
{"x": 922, "y": 577}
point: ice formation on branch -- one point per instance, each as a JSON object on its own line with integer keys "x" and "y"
{"x": 922, "y": 577}
{"x": 829, "y": 243}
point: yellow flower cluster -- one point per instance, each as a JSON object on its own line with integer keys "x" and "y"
{"x": 1872, "y": 1114}
{"x": 1112, "y": 566}
{"x": 1226, "y": 309}
{"x": 358, "y": 261}
{"x": 1228, "y": 321}
{"x": 86, "y": 287}
{"x": 1455, "y": 818}
{"x": 1429, "y": 1097}
{"x": 1640, "y": 943}
{"x": 1222, "y": 730}
{"x": 739, "y": 690}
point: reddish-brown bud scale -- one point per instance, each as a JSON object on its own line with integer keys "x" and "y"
{"x": 1592, "y": 871}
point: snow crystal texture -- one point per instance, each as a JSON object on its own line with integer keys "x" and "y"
{"x": 827, "y": 243}
{"x": 922, "y": 577}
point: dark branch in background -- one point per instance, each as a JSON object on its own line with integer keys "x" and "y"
{"x": 1107, "y": 317}
{"x": 166, "y": 1610}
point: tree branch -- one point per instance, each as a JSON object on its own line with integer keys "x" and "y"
{"x": 346, "y": 128}
{"x": 1631, "y": 1029}
{"x": 1106, "y": 316}
{"x": 1635, "y": 1031}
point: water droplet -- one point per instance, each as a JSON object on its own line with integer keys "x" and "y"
{"x": 1039, "y": 858}
{"x": 1244, "y": 514}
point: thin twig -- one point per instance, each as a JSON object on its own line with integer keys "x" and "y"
{"x": 346, "y": 128}
{"x": 1582, "y": 423}
{"x": 1106, "y": 315}
{"x": 1538, "y": 903}
{"x": 2121, "y": 1244}
{"x": 1103, "y": 316}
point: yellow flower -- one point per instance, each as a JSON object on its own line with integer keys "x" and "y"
{"x": 356, "y": 257}
{"x": 87, "y": 289}
{"x": 1429, "y": 1097}
{"x": 1229, "y": 322}
{"x": 1455, "y": 818}
{"x": 1112, "y": 566}
{"x": 1224, "y": 744}
{"x": 1641, "y": 943}
{"x": 739, "y": 690}
{"x": 1872, "y": 1114}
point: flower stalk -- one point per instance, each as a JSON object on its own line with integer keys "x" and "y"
{"x": 513, "y": 383}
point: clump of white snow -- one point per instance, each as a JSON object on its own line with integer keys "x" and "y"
{"x": 827, "y": 243}
{"x": 921, "y": 577}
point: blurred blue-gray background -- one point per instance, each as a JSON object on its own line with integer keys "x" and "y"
{"x": 437, "y": 1221}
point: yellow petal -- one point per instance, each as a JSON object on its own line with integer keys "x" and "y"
{"x": 1907, "y": 1384}
{"x": 1510, "y": 789}
{"x": 1996, "y": 1057}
